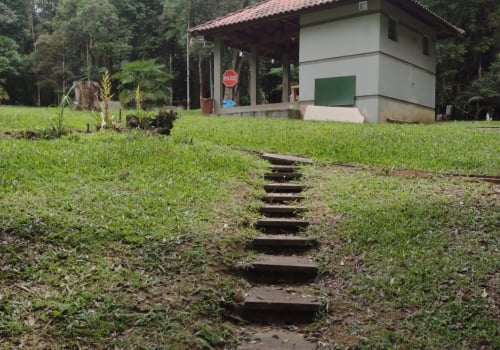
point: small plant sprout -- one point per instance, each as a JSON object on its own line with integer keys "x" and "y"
{"x": 105, "y": 95}
{"x": 138, "y": 98}
{"x": 58, "y": 123}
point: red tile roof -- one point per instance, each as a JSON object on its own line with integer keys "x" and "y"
{"x": 279, "y": 8}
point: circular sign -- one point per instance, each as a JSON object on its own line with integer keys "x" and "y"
{"x": 230, "y": 78}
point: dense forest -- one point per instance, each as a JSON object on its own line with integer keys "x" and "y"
{"x": 46, "y": 45}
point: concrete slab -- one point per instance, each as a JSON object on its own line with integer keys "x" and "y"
{"x": 282, "y": 176}
{"x": 281, "y": 210}
{"x": 284, "y": 168}
{"x": 283, "y": 241}
{"x": 273, "y": 299}
{"x": 277, "y": 340}
{"x": 283, "y": 187}
{"x": 334, "y": 114}
{"x": 285, "y": 264}
{"x": 281, "y": 223}
{"x": 282, "y": 197}
{"x": 281, "y": 159}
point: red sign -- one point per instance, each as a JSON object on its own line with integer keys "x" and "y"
{"x": 230, "y": 78}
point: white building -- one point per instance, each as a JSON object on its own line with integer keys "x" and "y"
{"x": 376, "y": 55}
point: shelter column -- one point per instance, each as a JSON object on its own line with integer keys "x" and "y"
{"x": 254, "y": 74}
{"x": 285, "y": 61}
{"x": 218, "y": 91}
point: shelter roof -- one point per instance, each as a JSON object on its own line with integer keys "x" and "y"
{"x": 279, "y": 21}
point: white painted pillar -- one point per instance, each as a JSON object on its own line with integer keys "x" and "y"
{"x": 285, "y": 61}
{"x": 254, "y": 74}
{"x": 218, "y": 88}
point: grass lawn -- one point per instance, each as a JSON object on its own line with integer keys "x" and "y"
{"x": 129, "y": 240}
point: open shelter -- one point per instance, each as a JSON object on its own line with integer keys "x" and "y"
{"x": 378, "y": 56}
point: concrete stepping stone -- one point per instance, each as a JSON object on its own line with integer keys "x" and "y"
{"x": 274, "y": 299}
{"x": 280, "y": 159}
{"x": 282, "y": 176}
{"x": 283, "y": 241}
{"x": 277, "y": 340}
{"x": 283, "y": 188}
{"x": 284, "y": 264}
{"x": 281, "y": 223}
{"x": 285, "y": 168}
{"x": 281, "y": 210}
{"x": 282, "y": 197}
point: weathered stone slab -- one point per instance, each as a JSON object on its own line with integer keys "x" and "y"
{"x": 280, "y": 159}
{"x": 283, "y": 187}
{"x": 282, "y": 197}
{"x": 273, "y": 299}
{"x": 282, "y": 176}
{"x": 285, "y": 264}
{"x": 277, "y": 340}
{"x": 283, "y": 241}
{"x": 284, "y": 168}
{"x": 281, "y": 209}
{"x": 281, "y": 223}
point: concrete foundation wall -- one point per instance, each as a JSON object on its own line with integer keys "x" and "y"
{"x": 401, "y": 111}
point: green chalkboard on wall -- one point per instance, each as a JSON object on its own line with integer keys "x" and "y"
{"x": 335, "y": 91}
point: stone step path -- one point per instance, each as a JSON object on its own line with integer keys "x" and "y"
{"x": 279, "y": 159}
{"x": 283, "y": 263}
{"x": 284, "y": 168}
{"x": 282, "y": 210}
{"x": 273, "y": 299}
{"x": 283, "y": 223}
{"x": 283, "y": 242}
{"x": 277, "y": 340}
{"x": 282, "y": 176}
{"x": 283, "y": 188}
{"x": 282, "y": 227}
{"x": 282, "y": 197}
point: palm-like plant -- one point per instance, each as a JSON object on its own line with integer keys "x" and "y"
{"x": 152, "y": 78}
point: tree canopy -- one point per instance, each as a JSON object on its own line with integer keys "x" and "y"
{"x": 45, "y": 45}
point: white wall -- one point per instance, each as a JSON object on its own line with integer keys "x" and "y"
{"x": 404, "y": 82}
{"x": 342, "y": 38}
{"x": 408, "y": 48}
{"x": 345, "y": 41}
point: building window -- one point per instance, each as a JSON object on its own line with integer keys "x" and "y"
{"x": 393, "y": 33}
{"x": 425, "y": 46}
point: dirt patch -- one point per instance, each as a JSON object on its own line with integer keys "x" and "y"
{"x": 488, "y": 128}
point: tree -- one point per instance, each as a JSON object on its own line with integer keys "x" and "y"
{"x": 10, "y": 60}
{"x": 93, "y": 35}
{"x": 50, "y": 60}
{"x": 151, "y": 78}
{"x": 465, "y": 59}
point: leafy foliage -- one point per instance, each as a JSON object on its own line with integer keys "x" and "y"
{"x": 466, "y": 59}
{"x": 149, "y": 77}
{"x": 9, "y": 63}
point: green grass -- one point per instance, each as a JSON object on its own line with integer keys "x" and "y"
{"x": 445, "y": 147}
{"x": 128, "y": 240}
{"x": 417, "y": 258}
